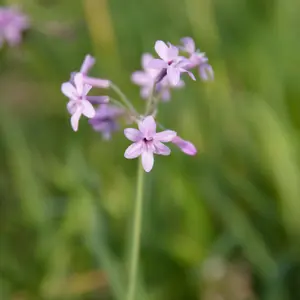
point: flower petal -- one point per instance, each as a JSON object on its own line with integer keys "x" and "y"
{"x": 134, "y": 150}
{"x": 75, "y": 119}
{"x": 145, "y": 92}
{"x": 147, "y": 127}
{"x": 147, "y": 160}
{"x": 185, "y": 146}
{"x": 165, "y": 136}
{"x": 165, "y": 94}
{"x": 157, "y": 64}
{"x": 162, "y": 50}
{"x": 172, "y": 52}
{"x": 78, "y": 80}
{"x": 133, "y": 134}
{"x": 206, "y": 72}
{"x": 173, "y": 75}
{"x": 161, "y": 149}
{"x": 191, "y": 75}
{"x": 141, "y": 78}
{"x": 188, "y": 44}
{"x": 69, "y": 90}
{"x": 146, "y": 58}
{"x": 88, "y": 109}
{"x": 72, "y": 106}
{"x": 86, "y": 89}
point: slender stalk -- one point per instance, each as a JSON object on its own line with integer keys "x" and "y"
{"x": 151, "y": 99}
{"x": 123, "y": 98}
{"x": 136, "y": 234}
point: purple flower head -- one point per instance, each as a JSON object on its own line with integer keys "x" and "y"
{"x": 185, "y": 146}
{"x": 12, "y": 24}
{"x": 78, "y": 104}
{"x": 147, "y": 77}
{"x": 105, "y": 119}
{"x": 197, "y": 59}
{"x": 147, "y": 142}
{"x": 170, "y": 63}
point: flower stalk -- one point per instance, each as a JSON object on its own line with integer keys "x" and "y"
{"x": 136, "y": 234}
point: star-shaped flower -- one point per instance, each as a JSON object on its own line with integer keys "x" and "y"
{"x": 147, "y": 142}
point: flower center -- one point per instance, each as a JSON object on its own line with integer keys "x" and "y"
{"x": 147, "y": 140}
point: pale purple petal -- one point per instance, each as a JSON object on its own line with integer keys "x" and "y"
{"x": 173, "y": 75}
{"x": 172, "y": 52}
{"x": 147, "y": 127}
{"x": 78, "y": 80}
{"x": 69, "y": 90}
{"x": 146, "y": 58}
{"x": 157, "y": 64}
{"x": 88, "y": 109}
{"x": 165, "y": 136}
{"x": 161, "y": 149}
{"x": 97, "y": 99}
{"x": 190, "y": 74}
{"x": 165, "y": 94}
{"x": 206, "y": 72}
{"x": 145, "y": 92}
{"x": 86, "y": 89}
{"x": 189, "y": 44}
{"x": 72, "y": 106}
{"x": 141, "y": 78}
{"x": 185, "y": 146}
{"x": 134, "y": 150}
{"x": 87, "y": 64}
{"x": 147, "y": 160}
{"x": 75, "y": 119}
{"x": 162, "y": 50}
{"x": 133, "y": 134}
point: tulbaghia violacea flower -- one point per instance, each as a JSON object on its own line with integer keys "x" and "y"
{"x": 78, "y": 103}
{"x": 12, "y": 25}
{"x": 170, "y": 63}
{"x": 147, "y": 142}
{"x": 106, "y": 119}
{"x": 197, "y": 59}
{"x": 185, "y": 146}
{"x": 86, "y": 66}
{"x": 147, "y": 77}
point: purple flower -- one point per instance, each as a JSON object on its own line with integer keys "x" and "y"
{"x": 147, "y": 142}
{"x": 197, "y": 59}
{"x": 185, "y": 146}
{"x": 86, "y": 66}
{"x": 105, "y": 119}
{"x": 169, "y": 63}
{"x": 12, "y": 24}
{"x": 78, "y": 104}
{"x": 147, "y": 77}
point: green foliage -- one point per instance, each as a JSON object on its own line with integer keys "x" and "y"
{"x": 225, "y": 223}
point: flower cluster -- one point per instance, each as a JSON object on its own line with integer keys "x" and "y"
{"x": 12, "y": 24}
{"x": 158, "y": 76}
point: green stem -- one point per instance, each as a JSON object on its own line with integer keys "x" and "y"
{"x": 124, "y": 99}
{"x": 150, "y": 100}
{"x": 136, "y": 234}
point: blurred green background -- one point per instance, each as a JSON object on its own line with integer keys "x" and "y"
{"x": 224, "y": 225}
